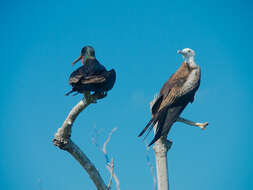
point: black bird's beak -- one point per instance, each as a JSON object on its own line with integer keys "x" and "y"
{"x": 78, "y": 59}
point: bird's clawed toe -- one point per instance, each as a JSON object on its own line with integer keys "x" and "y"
{"x": 203, "y": 125}
{"x": 99, "y": 95}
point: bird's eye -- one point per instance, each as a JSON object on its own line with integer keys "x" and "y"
{"x": 189, "y": 51}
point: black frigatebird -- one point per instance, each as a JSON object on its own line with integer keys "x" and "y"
{"x": 91, "y": 76}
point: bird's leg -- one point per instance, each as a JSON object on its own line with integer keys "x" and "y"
{"x": 192, "y": 123}
{"x": 99, "y": 95}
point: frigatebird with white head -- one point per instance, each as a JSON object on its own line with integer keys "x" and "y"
{"x": 174, "y": 96}
{"x": 91, "y": 76}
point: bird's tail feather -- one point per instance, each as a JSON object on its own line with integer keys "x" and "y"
{"x": 159, "y": 118}
{"x": 75, "y": 94}
{"x": 68, "y": 93}
{"x": 164, "y": 123}
{"x": 147, "y": 126}
{"x": 159, "y": 129}
{"x": 158, "y": 134}
{"x": 150, "y": 128}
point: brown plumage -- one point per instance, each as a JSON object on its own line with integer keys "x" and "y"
{"x": 174, "y": 96}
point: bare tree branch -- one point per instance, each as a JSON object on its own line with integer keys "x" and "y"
{"x": 108, "y": 165}
{"x": 161, "y": 148}
{"x": 63, "y": 141}
{"x": 116, "y": 179}
{"x": 192, "y": 123}
{"x": 77, "y": 153}
{"x": 63, "y": 134}
{"x": 150, "y": 165}
{"x": 112, "y": 172}
{"x": 105, "y": 144}
{"x": 107, "y": 160}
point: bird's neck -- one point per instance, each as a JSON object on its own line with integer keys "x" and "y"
{"x": 90, "y": 57}
{"x": 190, "y": 61}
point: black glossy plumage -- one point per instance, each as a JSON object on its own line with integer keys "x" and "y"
{"x": 92, "y": 76}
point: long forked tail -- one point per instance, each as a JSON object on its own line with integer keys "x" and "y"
{"x": 68, "y": 93}
{"x": 157, "y": 135}
{"x": 158, "y": 118}
{"x": 147, "y": 126}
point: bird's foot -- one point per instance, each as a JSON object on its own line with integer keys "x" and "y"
{"x": 203, "y": 125}
{"x": 168, "y": 143}
{"x": 192, "y": 123}
{"x": 89, "y": 98}
{"x": 99, "y": 95}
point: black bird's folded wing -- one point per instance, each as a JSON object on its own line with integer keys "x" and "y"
{"x": 96, "y": 79}
{"x": 90, "y": 69}
{"x": 77, "y": 75}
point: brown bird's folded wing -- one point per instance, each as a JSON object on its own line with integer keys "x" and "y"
{"x": 173, "y": 105}
{"x": 157, "y": 104}
{"x": 171, "y": 102}
{"x": 168, "y": 95}
{"x": 176, "y": 89}
{"x": 160, "y": 110}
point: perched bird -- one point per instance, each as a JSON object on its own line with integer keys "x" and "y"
{"x": 91, "y": 76}
{"x": 174, "y": 96}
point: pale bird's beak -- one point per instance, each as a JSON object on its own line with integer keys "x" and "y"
{"x": 179, "y": 52}
{"x": 78, "y": 59}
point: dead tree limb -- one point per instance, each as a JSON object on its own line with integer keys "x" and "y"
{"x": 150, "y": 165}
{"x": 112, "y": 173}
{"x": 63, "y": 141}
{"x": 192, "y": 123}
{"x": 109, "y": 165}
{"x": 77, "y": 153}
{"x": 161, "y": 148}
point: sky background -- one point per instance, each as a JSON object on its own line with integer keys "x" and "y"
{"x": 139, "y": 39}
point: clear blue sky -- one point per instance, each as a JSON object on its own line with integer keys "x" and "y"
{"x": 39, "y": 41}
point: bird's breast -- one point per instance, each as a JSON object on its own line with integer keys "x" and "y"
{"x": 192, "y": 81}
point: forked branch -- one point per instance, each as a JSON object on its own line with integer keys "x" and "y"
{"x": 109, "y": 165}
{"x": 63, "y": 141}
{"x": 112, "y": 173}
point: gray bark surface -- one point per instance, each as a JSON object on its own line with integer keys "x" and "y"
{"x": 63, "y": 141}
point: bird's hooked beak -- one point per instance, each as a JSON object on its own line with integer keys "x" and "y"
{"x": 78, "y": 59}
{"x": 180, "y": 52}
